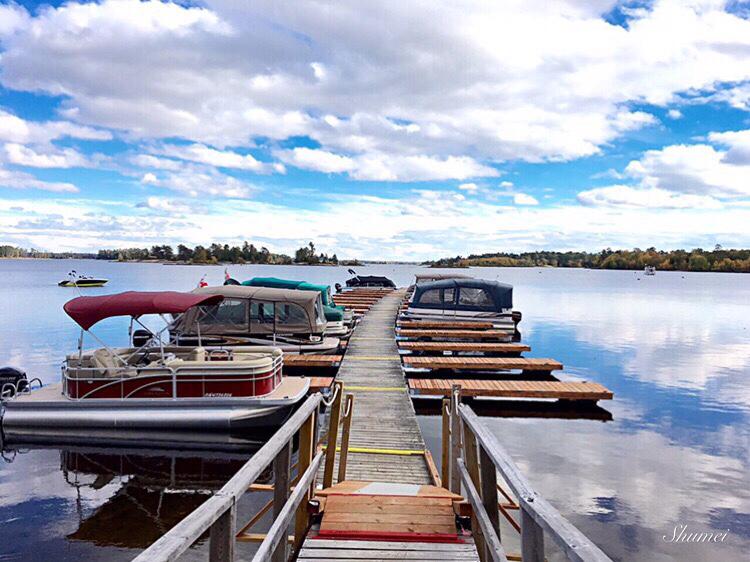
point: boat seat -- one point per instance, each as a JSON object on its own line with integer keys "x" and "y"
{"x": 197, "y": 354}
{"x": 105, "y": 365}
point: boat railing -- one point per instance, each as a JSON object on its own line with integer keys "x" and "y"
{"x": 179, "y": 375}
{"x": 12, "y": 390}
{"x": 218, "y": 514}
{"x": 472, "y": 459}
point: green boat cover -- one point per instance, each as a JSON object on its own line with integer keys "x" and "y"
{"x": 333, "y": 313}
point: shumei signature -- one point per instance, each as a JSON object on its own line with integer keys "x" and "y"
{"x": 680, "y": 533}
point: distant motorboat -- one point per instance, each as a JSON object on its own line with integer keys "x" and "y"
{"x": 649, "y": 270}
{"x": 76, "y": 280}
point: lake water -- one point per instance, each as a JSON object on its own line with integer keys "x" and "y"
{"x": 674, "y": 348}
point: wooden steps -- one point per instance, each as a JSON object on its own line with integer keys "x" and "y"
{"x": 483, "y": 363}
{"x": 361, "y": 516}
{"x": 561, "y": 390}
{"x": 353, "y": 550}
{"x": 477, "y": 347}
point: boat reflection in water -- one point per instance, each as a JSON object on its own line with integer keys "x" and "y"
{"x": 131, "y": 488}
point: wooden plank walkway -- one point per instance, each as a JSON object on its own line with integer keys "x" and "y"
{"x": 384, "y": 417}
{"x": 512, "y": 389}
{"x": 350, "y": 551}
{"x": 305, "y": 360}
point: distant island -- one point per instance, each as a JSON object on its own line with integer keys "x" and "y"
{"x": 212, "y": 254}
{"x": 718, "y": 259}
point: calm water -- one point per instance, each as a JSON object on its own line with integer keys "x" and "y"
{"x": 675, "y": 349}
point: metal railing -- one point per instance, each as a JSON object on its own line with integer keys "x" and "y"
{"x": 174, "y": 376}
{"x": 472, "y": 459}
{"x": 218, "y": 514}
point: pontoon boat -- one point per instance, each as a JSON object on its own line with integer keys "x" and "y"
{"x": 154, "y": 385}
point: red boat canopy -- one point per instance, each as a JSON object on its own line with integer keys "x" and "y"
{"x": 87, "y": 311}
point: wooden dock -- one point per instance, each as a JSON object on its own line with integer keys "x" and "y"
{"x": 475, "y": 335}
{"x": 384, "y": 415}
{"x": 440, "y": 347}
{"x": 389, "y": 502}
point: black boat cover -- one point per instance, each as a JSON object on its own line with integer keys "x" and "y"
{"x": 463, "y": 294}
{"x": 370, "y": 281}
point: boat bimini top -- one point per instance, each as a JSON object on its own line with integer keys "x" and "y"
{"x": 427, "y": 277}
{"x": 254, "y": 310}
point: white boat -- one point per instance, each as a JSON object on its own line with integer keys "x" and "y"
{"x": 649, "y": 270}
{"x": 156, "y": 386}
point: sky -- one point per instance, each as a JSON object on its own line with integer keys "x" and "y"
{"x": 390, "y": 130}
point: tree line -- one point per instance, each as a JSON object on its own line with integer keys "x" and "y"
{"x": 698, "y": 259}
{"x": 216, "y": 253}
{"x": 7, "y": 251}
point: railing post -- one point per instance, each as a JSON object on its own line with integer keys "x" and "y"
{"x": 445, "y": 461}
{"x": 345, "y": 432}
{"x": 221, "y": 536}
{"x": 532, "y": 537}
{"x": 282, "y": 468}
{"x": 306, "y": 452}
{"x": 455, "y": 439}
{"x": 333, "y": 431}
{"x": 471, "y": 457}
{"x": 488, "y": 490}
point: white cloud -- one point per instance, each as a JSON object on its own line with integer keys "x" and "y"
{"x": 375, "y": 166}
{"x": 738, "y": 143}
{"x": 317, "y": 160}
{"x": 524, "y": 199}
{"x": 193, "y": 180}
{"x": 50, "y": 158}
{"x": 506, "y": 184}
{"x": 674, "y": 114}
{"x": 631, "y": 197}
{"x": 472, "y": 79}
{"x": 470, "y": 187}
{"x": 14, "y": 179}
{"x": 218, "y": 158}
{"x": 17, "y": 130}
{"x": 149, "y": 161}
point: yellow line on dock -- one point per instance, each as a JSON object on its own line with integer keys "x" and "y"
{"x": 399, "y": 452}
{"x": 376, "y": 388}
{"x": 371, "y": 357}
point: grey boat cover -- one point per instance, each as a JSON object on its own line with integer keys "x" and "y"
{"x": 479, "y": 295}
{"x": 370, "y": 281}
{"x": 255, "y": 310}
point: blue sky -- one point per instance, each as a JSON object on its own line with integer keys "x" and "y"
{"x": 399, "y": 130}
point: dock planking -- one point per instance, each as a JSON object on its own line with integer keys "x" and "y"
{"x": 457, "y": 334}
{"x": 483, "y": 363}
{"x": 561, "y": 390}
{"x": 310, "y": 360}
{"x": 465, "y": 347}
{"x": 443, "y": 324}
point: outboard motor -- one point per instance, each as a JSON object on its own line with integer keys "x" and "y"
{"x": 338, "y": 287}
{"x": 141, "y": 337}
{"x": 230, "y": 281}
{"x": 12, "y": 380}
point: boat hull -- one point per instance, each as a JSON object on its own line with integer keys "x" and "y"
{"x": 47, "y": 408}
{"x": 84, "y": 283}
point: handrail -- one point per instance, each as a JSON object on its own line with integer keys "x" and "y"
{"x": 496, "y": 550}
{"x": 283, "y": 520}
{"x": 537, "y": 514}
{"x": 176, "y": 541}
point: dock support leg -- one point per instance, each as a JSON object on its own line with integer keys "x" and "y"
{"x": 345, "y": 432}
{"x": 532, "y": 538}
{"x": 221, "y": 536}
{"x": 333, "y": 431}
{"x": 282, "y": 468}
{"x": 455, "y": 439}
{"x": 445, "y": 459}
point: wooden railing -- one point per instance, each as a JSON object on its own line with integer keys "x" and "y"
{"x": 218, "y": 514}
{"x": 472, "y": 459}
